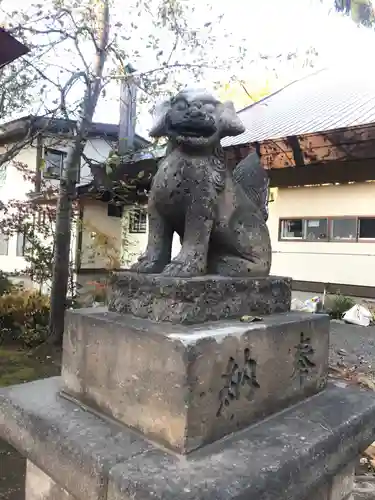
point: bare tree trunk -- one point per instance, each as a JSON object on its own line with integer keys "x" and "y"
{"x": 128, "y": 109}
{"x": 61, "y": 262}
{"x": 60, "y": 274}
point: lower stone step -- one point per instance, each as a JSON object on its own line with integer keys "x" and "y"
{"x": 300, "y": 453}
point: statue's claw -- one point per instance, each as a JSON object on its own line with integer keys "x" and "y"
{"x": 184, "y": 268}
{"x": 148, "y": 265}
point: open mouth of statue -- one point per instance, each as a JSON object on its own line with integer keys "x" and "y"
{"x": 195, "y": 129}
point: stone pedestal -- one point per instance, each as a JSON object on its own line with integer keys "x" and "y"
{"x": 186, "y": 386}
{"x": 39, "y": 486}
{"x": 338, "y": 487}
{"x": 185, "y": 409}
{"x": 293, "y": 455}
{"x": 196, "y": 300}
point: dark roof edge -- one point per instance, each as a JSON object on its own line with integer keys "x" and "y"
{"x": 11, "y": 48}
{"x": 37, "y": 125}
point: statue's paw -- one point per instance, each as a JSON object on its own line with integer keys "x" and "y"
{"x": 184, "y": 268}
{"x": 145, "y": 265}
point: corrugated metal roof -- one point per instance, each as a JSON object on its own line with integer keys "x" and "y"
{"x": 325, "y": 100}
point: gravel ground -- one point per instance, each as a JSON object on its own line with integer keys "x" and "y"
{"x": 353, "y": 346}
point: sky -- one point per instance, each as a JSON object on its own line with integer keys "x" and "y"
{"x": 277, "y": 27}
{"x": 272, "y": 27}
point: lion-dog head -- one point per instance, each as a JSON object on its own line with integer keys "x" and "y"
{"x": 195, "y": 119}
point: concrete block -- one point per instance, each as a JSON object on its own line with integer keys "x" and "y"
{"x": 75, "y": 448}
{"x": 343, "y": 483}
{"x": 286, "y": 457}
{"x": 337, "y": 487}
{"x": 39, "y": 486}
{"x": 186, "y": 386}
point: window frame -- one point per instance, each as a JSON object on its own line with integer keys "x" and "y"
{"x": 63, "y": 155}
{"x": 305, "y": 221}
{"x": 142, "y": 224}
{"x": 343, "y": 240}
{"x": 24, "y": 244}
{"x": 330, "y": 221}
{"x": 281, "y": 229}
{"x": 117, "y": 215}
{"x": 46, "y": 171}
{"x": 363, "y": 240}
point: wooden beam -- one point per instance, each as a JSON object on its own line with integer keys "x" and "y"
{"x": 342, "y": 144}
{"x": 326, "y": 173}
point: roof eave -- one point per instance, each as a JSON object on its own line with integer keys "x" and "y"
{"x": 11, "y": 48}
{"x": 34, "y": 125}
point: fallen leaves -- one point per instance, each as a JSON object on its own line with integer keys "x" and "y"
{"x": 250, "y": 319}
{"x": 352, "y": 376}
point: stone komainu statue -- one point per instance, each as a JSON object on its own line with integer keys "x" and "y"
{"x": 219, "y": 215}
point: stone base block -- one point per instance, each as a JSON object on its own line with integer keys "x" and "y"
{"x": 338, "y": 487}
{"x": 188, "y": 386}
{"x": 73, "y": 447}
{"x": 199, "y": 299}
{"x": 289, "y": 456}
{"x": 39, "y": 486}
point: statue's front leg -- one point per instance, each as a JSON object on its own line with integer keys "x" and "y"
{"x": 159, "y": 245}
{"x": 192, "y": 258}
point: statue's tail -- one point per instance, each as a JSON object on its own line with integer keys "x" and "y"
{"x": 253, "y": 179}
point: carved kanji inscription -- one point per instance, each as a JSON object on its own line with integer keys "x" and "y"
{"x": 239, "y": 379}
{"x": 303, "y": 358}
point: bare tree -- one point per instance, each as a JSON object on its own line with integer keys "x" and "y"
{"x": 69, "y": 179}
{"x": 78, "y": 57}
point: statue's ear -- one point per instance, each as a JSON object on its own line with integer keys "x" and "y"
{"x": 230, "y": 124}
{"x": 158, "y": 128}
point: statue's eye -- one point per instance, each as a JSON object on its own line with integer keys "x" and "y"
{"x": 209, "y": 107}
{"x": 180, "y": 105}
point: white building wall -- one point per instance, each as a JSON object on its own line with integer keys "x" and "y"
{"x": 13, "y": 186}
{"x": 319, "y": 261}
{"x": 125, "y": 249}
{"x": 96, "y": 150}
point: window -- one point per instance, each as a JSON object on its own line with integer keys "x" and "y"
{"x": 291, "y": 229}
{"x": 23, "y": 244}
{"x": 53, "y": 163}
{"x": 349, "y": 229}
{"x": 315, "y": 229}
{"x": 304, "y": 229}
{"x": 343, "y": 229}
{"x": 114, "y": 210}
{"x": 367, "y": 228}
{"x": 138, "y": 221}
{"x": 4, "y": 243}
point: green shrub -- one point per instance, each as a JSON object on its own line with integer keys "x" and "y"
{"x": 24, "y": 317}
{"x": 338, "y": 304}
